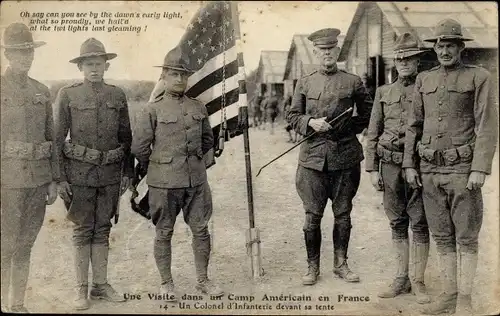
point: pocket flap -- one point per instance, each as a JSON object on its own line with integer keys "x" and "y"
{"x": 451, "y": 155}
{"x": 461, "y": 87}
{"x": 198, "y": 116}
{"x": 114, "y": 105}
{"x": 459, "y": 140}
{"x": 78, "y": 150}
{"x": 344, "y": 94}
{"x": 426, "y": 139}
{"x": 169, "y": 118}
{"x": 390, "y": 98}
{"x": 313, "y": 94}
{"x": 161, "y": 158}
{"x": 429, "y": 87}
{"x": 82, "y": 105}
{"x": 387, "y": 137}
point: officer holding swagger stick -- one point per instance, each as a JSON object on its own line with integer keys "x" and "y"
{"x": 329, "y": 163}
{"x": 452, "y": 135}
{"x": 384, "y": 150}
{"x": 92, "y": 164}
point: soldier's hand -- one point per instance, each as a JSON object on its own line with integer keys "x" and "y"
{"x": 51, "y": 193}
{"x": 377, "y": 181}
{"x": 125, "y": 184}
{"x": 476, "y": 180}
{"x": 64, "y": 190}
{"x": 413, "y": 178}
{"x": 319, "y": 125}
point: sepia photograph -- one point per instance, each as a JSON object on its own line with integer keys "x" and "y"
{"x": 249, "y": 157}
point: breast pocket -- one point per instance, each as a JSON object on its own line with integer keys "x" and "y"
{"x": 83, "y": 114}
{"x": 168, "y": 124}
{"x": 461, "y": 99}
{"x": 392, "y": 106}
{"x": 113, "y": 116}
{"x": 37, "y": 115}
{"x": 313, "y": 103}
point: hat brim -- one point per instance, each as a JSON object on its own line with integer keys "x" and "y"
{"x": 108, "y": 56}
{"x": 175, "y": 68}
{"x": 408, "y": 54}
{"x": 28, "y": 45}
{"x": 459, "y": 38}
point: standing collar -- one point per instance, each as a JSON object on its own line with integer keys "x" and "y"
{"x": 329, "y": 72}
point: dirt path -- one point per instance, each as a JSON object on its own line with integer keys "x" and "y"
{"x": 279, "y": 216}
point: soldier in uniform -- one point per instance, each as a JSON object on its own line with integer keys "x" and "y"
{"x": 329, "y": 163}
{"x": 452, "y": 135}
{"x": 28, "y": 170}
{"x": 170, "y": 140}
{"x": 95, "y": 166}
{"x": 384, "y": 155}
{"x": 270, "y": 105}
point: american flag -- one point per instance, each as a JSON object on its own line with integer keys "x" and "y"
{"x": 210, "y": 44}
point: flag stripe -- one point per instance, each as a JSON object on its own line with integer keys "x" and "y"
{"x": 242, "y": 87}
{"x": 215, "y": 105}
{"x": 211, "y": 93}
{"x": 231, "y": 111}
{"x": 212, "y": 79}
{"x": 212, "y": 65}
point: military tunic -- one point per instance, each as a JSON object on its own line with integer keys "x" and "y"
{"x": 452, "y": 130}
{"x": 384, "y": 147}
{"x": 172, "y": 136}
{"x": 96, "y": 155}
{"x": 329, "y": 163}
{"x": 27, "y": 167}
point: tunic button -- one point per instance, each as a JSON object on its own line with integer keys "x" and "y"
{"x": 440, "y": 102}
{"x": 440, "y": 119}
{"x": 439, "y": 135}
{"x": 442, "y": 87}
{"x": 185, "y": 114}
{"x": 187, "y": 127}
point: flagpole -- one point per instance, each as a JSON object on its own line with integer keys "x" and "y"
{"x": 253, "y": 234}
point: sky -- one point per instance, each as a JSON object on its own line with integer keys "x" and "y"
{"x": 266, "y": 25}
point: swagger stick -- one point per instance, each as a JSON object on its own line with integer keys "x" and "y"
{"x": 303, "y": 140}
{"x": 253, "y": 235}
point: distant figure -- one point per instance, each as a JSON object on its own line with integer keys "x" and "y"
{"x": 286, "y": 107}
{"x": 271, "y": 109}
{"x": 257, "y": 111}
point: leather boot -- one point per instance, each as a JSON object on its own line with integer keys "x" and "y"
{"x": 401, "y": 283}
{"x": 101, "y": 290}
{"x": 341, "y": 236}
{"x": 82, "y": 260}
{"x": 167, "y": 290}
{"x": 468, "y": 266}
{"x": 447, "y": 300}
{"x": 201, "y": 249}
{"x": 420, "y": 254}
{"x": 313, "y": 248}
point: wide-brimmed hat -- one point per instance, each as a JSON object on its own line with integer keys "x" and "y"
{"x": 92, "y": 48}
{"x": 325, "y": 38}
{"x": 18, "y": 36}
{"x": 406, "y": 45}
{"x": 448, "y": 29}
{"x": 175, "y": 59}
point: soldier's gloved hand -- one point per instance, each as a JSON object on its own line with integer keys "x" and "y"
{"x": 413, "y": 178}
{"x": 125, "y": 184}
{"x": 476, "y": 180}
{"x": 319, "y": 125}
{"x": 64, "y": 190}
{"x": 377, "y": 181}
{"x": 51, "y": 193}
